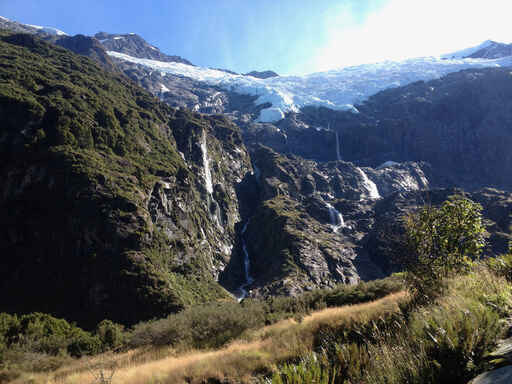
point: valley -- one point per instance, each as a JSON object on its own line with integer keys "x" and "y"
{"x": 138, "y": 186}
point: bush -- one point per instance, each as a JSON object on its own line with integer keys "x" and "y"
{"x": 502, "y": 265}
{"x": 213, "y": 325}
{"x": 83, "y": 343}
{"x": 112, "y": 335}
{"x": 43, "y": 334}
{"x": 443, "y": 343}
{"x": 441, "y": 242}
{"x": 207, "y": 326}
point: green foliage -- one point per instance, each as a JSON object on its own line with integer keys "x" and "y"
{"x": 502, "y": 265}
{"x": 42, "y": 333}
{"x": 441, "y": 242}
{"x": 207, "y": 326}
{"x": 212, "y": 325}
{"x": 90, "y": 144}
{"x": 447, "y": 342}
{"x": 112, "y": 335}
{"x": 313, "y": 368}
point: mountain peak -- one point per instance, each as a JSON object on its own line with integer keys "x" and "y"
{"x": 135, "y": 46}
{"x": 489, "y": 49}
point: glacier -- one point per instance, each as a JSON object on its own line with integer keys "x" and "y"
{"x": 338, "y": 89}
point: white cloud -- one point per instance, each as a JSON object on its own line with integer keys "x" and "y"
{"x": 411, "y": 28}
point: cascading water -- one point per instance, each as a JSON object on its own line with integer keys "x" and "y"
{"x": 206, "y": 165}
{"x": 247, "y": 266}
{"x": 213, "y": 206}
{"x": 335, "y": 217}
{"x": 338, "y": 155}
{"x": 371, "y": 188}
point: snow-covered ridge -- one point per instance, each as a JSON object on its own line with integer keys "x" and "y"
{"x": 49, "y": 30}
{"x": 467, "y": 52}
{"x": 336, "y": 89}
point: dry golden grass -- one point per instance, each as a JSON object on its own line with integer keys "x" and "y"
{"x": 238, "y": 362}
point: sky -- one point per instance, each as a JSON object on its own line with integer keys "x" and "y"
{"x": 288, "y": 36}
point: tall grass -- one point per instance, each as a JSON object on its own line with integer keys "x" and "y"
{"x": 443, "y": 343}
{"x": 256, "y": 355}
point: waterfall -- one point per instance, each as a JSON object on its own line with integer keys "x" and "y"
{"x": 371, "y": 188}
{"x": 213, "y": 206}
{"x": 336, "y": 218}
{"x": 206, "y": 165}
{"x": 247, "y": 266}
{"x": 338, "y": 155}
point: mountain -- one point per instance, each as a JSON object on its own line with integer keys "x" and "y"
{"x": 212, "y": 185}
{"x": 110, "y": 198}
{"x": 262, "y": 74}
{"x": 487, "y": 50}
{"x": 134, "y": 45}
{"x": 337, "y": 89}
{"x": 14, "y": 26}
{"x": 493, "y": 50}
{"x": 86, "y": 46}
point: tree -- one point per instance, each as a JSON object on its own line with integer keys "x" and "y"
{"x": 441, "y": 242}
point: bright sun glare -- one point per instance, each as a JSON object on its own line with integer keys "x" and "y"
{"x": 409, "y": 28}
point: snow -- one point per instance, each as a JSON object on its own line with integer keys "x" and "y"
{"x": 467, "y": 52}
{"x": 388, "y": 163}
{"x": 49, "y": 30}
{"x": 118, "y": 37}
{"x": 4, "y": 18}
{"x": 153, "y": 48}
{"x": 269, "y": 115}
{"x": 164, "y": 88}
{"x": 338, "y": 89}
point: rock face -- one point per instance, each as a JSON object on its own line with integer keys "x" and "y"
{"x": 492, "y": 50}
{"x": 14, "y": 26}
{"x": 498, "y": 376}
{"x": 319, "y": 224}
{"x": 134, "y": 45}
{"x": 261, "y": 74}
{"x": 110, "y": 200}
{"x": 114, "y": 200}
{"x": 460, "y": 124}
{"x": 311, "y": 226}
{"x": 86, "y": 46}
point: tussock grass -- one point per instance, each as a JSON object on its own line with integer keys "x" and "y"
{"x": 444, "y": 342}
{"x": 258, "y": 353}
{"x": 382, "y": 341}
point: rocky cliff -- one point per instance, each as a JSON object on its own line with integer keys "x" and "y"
{"x": 319, "y": 224}
{"x": 114, "y": 200}
{"x": 113, "y": 204}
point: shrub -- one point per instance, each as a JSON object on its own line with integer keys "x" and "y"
{"x": 43, "y": 334}
{"x": 502, "y": 265}
{"x": 112, "y": 335}
{"x": 207, "y": 326}
{"x": 441, "y": 242}
{"x": 443, "y": 343}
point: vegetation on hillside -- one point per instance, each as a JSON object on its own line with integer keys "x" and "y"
{"x": 107, "y": 142}
{"x": 441, "y": 242}
{"x": 81, "y": 150}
